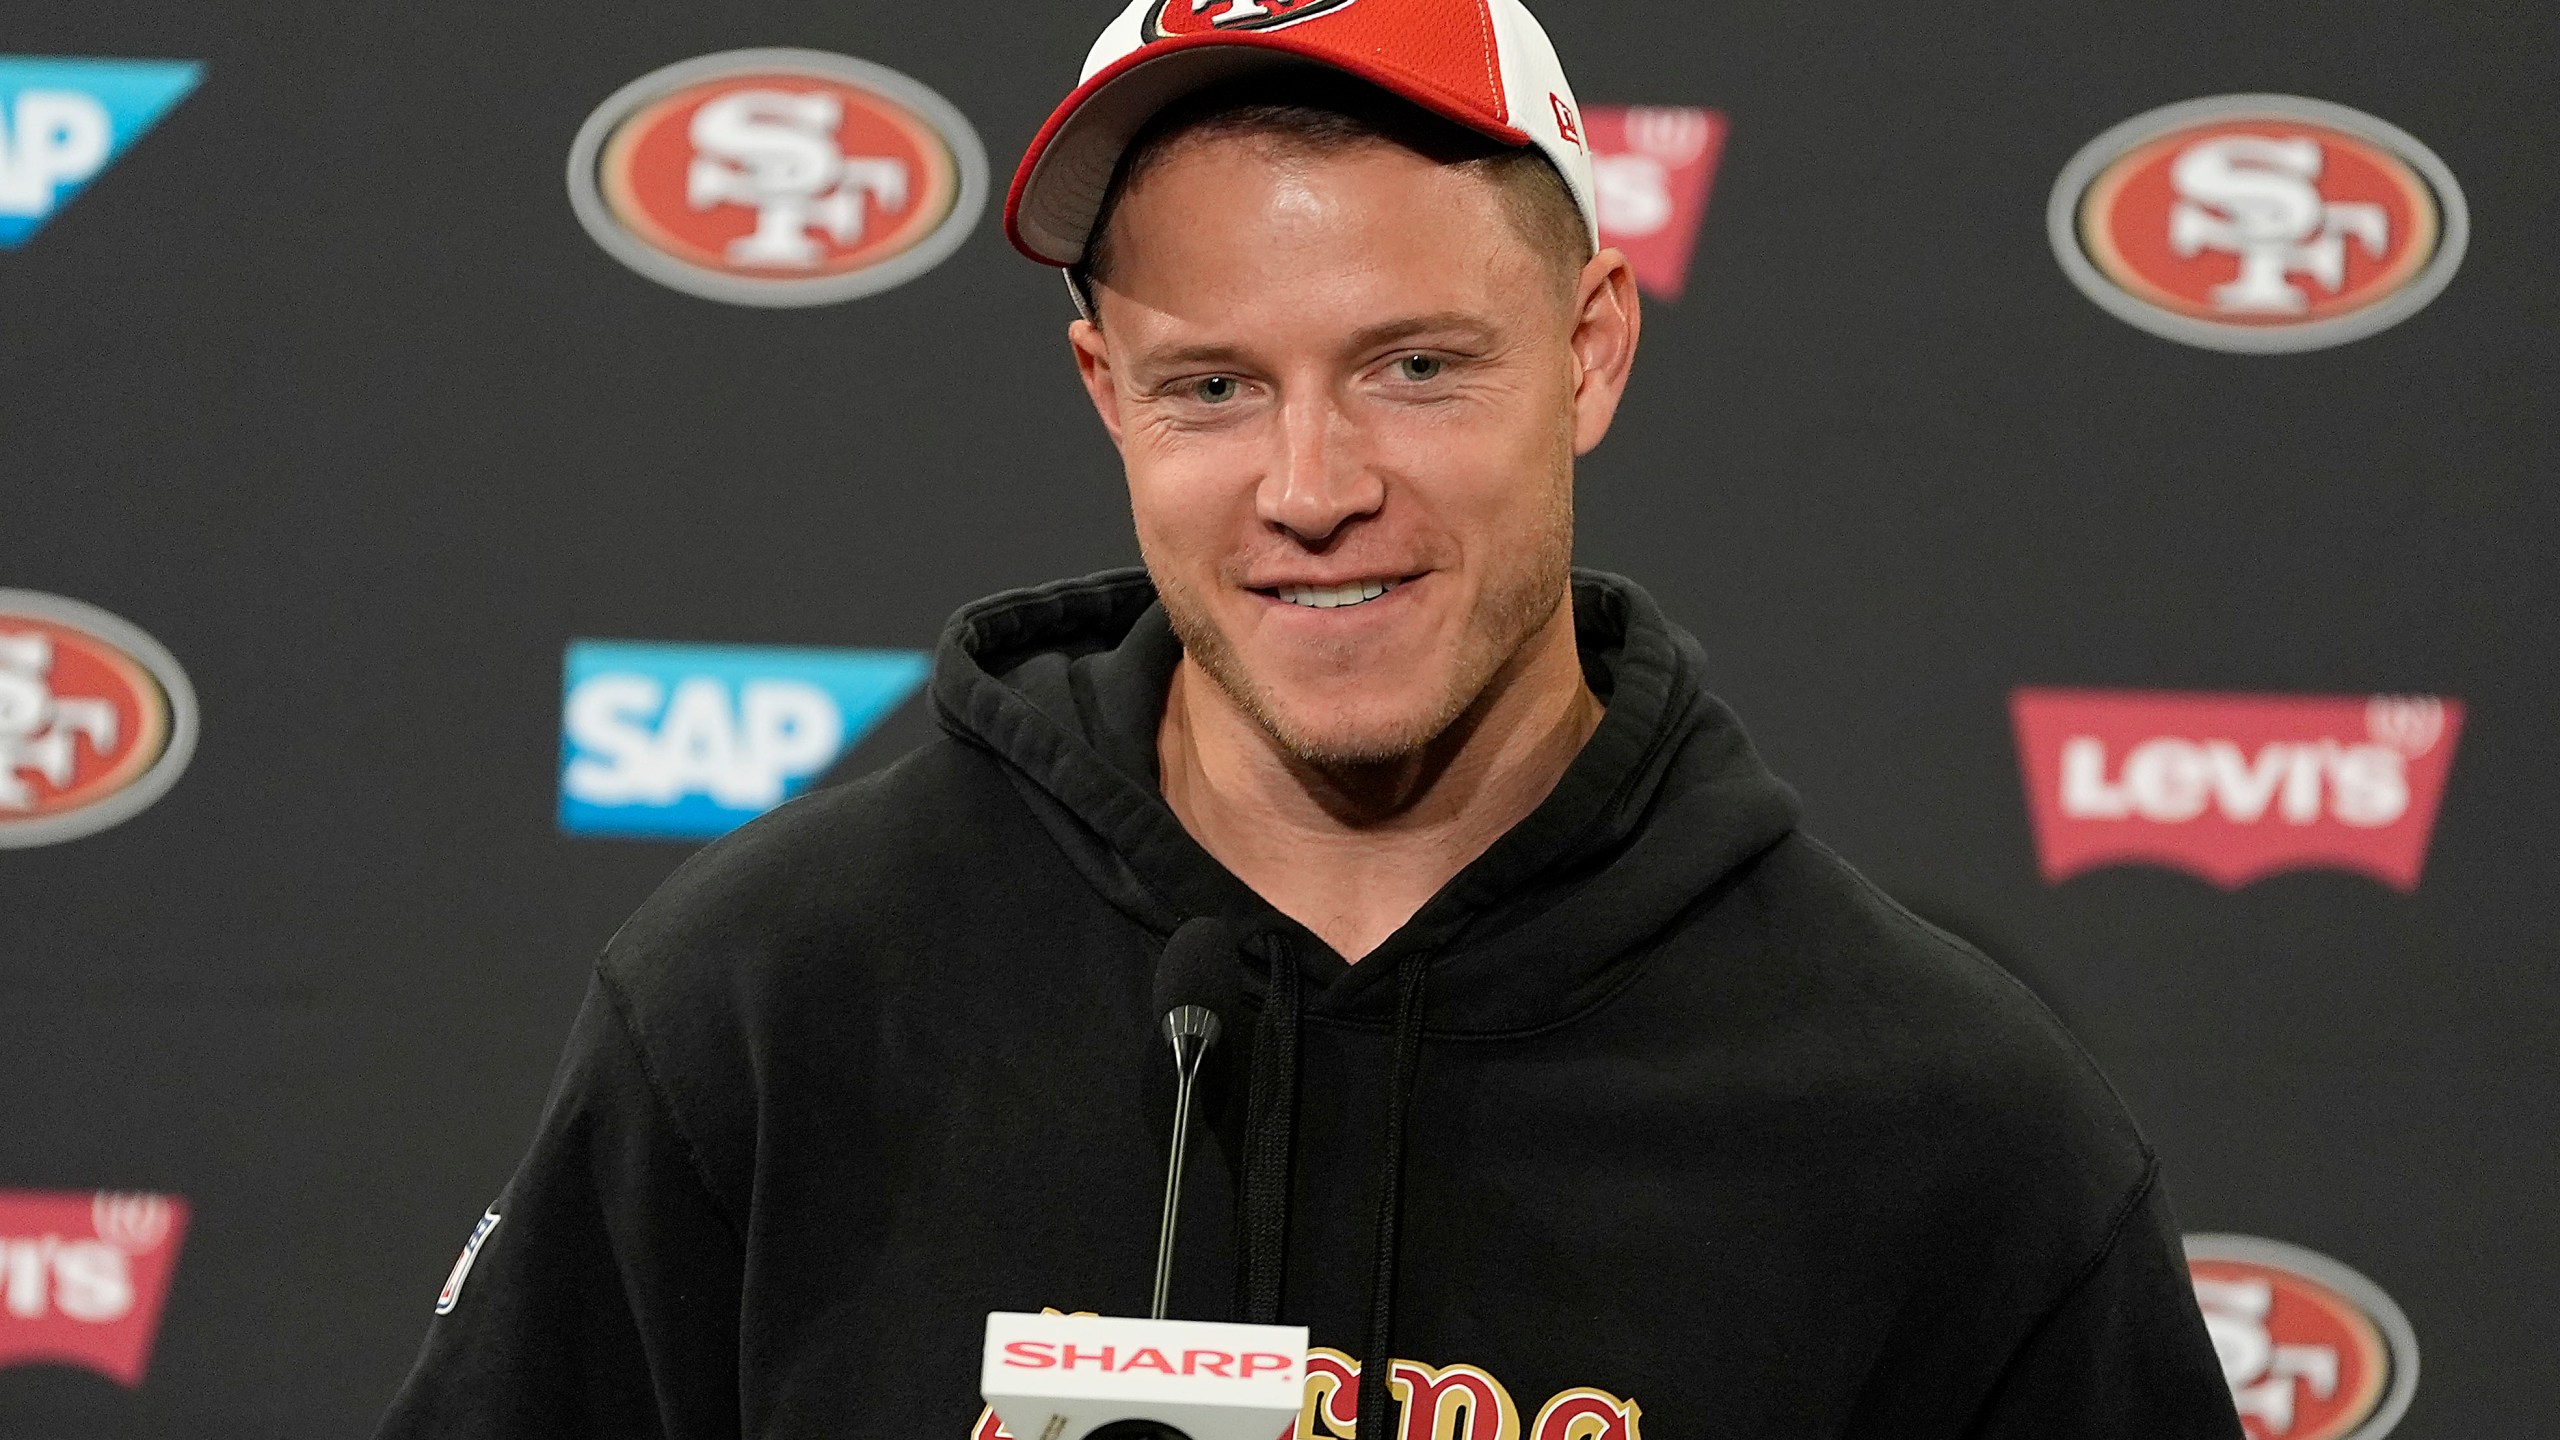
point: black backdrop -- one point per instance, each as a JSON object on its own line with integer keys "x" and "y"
{"x": 323, "y": 386}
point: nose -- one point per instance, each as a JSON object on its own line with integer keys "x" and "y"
{"x": 1319, "y": 481}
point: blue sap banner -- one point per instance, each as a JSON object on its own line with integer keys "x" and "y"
{"x": 688, "y": 742}
{"x": 64, "y": 121}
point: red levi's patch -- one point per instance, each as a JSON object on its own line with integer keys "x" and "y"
{"x": 83, "y": 1277}
{"x": 1653, "y": 167}
{"x": 2232, "y": 788}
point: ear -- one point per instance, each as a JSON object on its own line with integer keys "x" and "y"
{"x": 1605, "y": 324}
{"x": 1093, "y": 366}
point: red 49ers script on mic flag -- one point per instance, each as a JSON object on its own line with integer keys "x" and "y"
{"x": 1652, "y": 167}
{"x": 2233, "y": 788}
{"x": 83, "y": 1277}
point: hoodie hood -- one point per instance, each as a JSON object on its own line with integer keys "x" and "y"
{"x": 1066, "y": 684}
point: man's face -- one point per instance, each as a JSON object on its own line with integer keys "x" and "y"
{"x": 1348, "y": 393}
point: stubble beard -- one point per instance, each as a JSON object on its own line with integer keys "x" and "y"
{"x": 1514, "y": 607}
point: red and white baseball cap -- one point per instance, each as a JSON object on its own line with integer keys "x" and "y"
{"x": 1484, "y": 64}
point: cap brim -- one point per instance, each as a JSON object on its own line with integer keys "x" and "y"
{"x": 1057, "y": 192}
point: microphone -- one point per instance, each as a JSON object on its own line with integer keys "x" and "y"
{"x": 1196, "y": 972}
{"x": 1085, "y": 1377}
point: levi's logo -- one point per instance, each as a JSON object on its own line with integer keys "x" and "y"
{"x": 2233, "y": 788}
{"x": 1205, "y": 17}
{"x": 83, "y": 1277}
{"x": 1652, "y": 167}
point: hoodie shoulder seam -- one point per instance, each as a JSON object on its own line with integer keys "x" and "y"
{"x": 2114, "y": 1236}
{"x": 1956, "y": 945}
{"x": 665, "y": 1106}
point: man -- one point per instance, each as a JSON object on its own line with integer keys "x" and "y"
{"x": 1574, "y": 1091}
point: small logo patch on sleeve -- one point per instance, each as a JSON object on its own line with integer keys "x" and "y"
{"x": 452, "y": 1292}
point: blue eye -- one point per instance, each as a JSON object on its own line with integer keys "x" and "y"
{"x": 1215, "y": 390}
{"x": 1421, "y": 367}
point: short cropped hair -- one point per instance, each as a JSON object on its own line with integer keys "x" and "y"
{"x": 1311, "y": 110}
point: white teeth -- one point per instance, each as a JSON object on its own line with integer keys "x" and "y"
{"x": 1334, "y": 597}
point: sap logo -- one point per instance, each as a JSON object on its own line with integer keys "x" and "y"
{"x": 64, "y": 121}
{"x": 691, "y": 741}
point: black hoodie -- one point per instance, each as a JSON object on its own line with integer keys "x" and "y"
{"x": 1657, "y": 1117}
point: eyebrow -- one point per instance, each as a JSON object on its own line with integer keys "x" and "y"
{"x": 1456, "y": 324}
{"x": 1177, "y": 355}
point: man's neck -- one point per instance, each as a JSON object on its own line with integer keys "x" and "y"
{"x": 1352, "y": 853}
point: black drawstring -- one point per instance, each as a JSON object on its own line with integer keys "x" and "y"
{"x": 1377, "y": 1363}
{"x": 1270, "y": 1139}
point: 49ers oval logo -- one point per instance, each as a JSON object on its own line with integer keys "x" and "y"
{"x": 2311, "y": 1349}
{"x": 1207, "y": 17}
{"x": 777, "y": 177}
{"x": 96, "y": 719}
{"x": 2258, "y": 223}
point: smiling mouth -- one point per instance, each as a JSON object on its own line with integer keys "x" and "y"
{"x": 1333, "y": 597}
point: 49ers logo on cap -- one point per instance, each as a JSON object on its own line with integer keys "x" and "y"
{"x": 2312, "y": 1350}
{"x": 2234, "y": 787}
{"x": 1200, "y": 17}
{"x": 96, "y": 719}
{"x": 2258, "y": 223}
{"x": 777, "y": 177}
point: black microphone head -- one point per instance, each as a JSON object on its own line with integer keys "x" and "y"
{"x": 1199, "y": 970}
